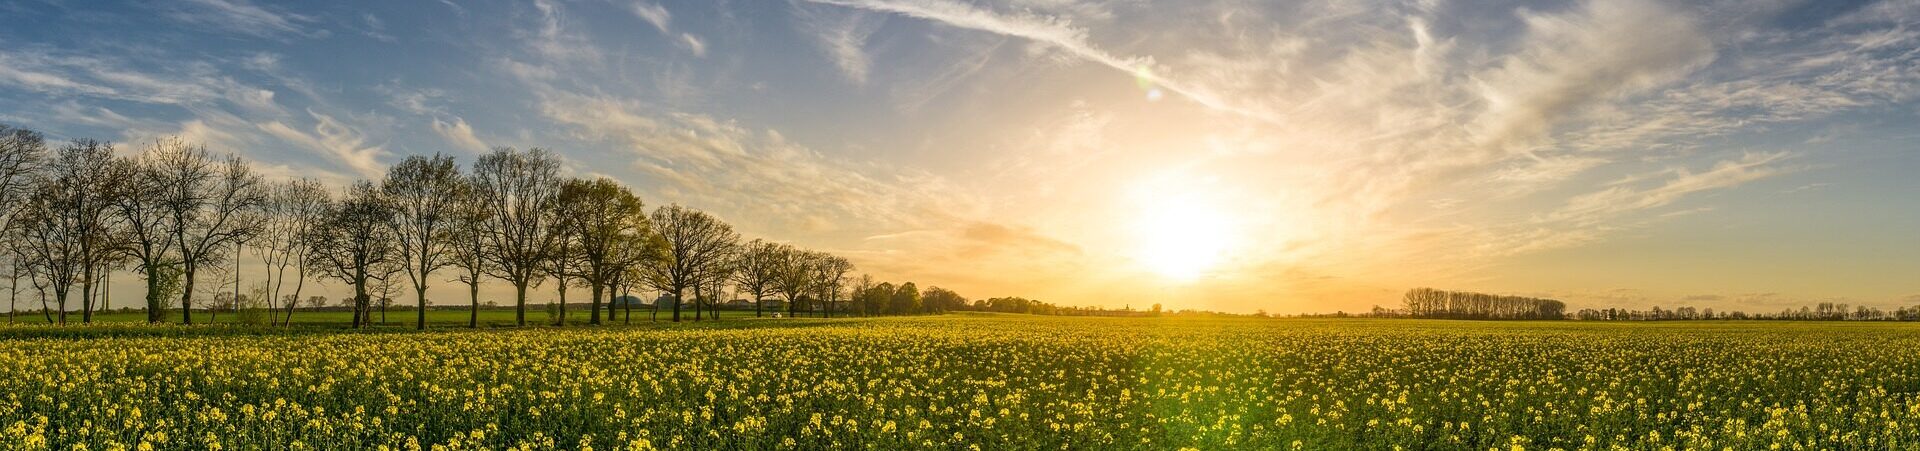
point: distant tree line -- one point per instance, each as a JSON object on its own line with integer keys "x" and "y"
{"x": 174, "y": 214}
{"x": 1824, "y": 311}
{"x": 1432, "y": 303}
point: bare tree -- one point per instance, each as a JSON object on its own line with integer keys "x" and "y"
{"x": 207, "y": 201}
{"x": 712, "y": 285}
{"x": 695, "y": 242}
{"x": 425, "y": 194}
{"x": 829, "y": 276}
{"x": 518, "y": 189}
{"x": 16, "y": 267}
{"x": 562, "y": 262}
{"x": 793, "y": 276}
{"x": 137, "y": 189}
{"x": 21, "y": 152}
{"x": 291, "y": 209}
{"x": 757, "y": 271}
{"x": 65, "y": 222}
{"x": 605, "y": 221}
{"x": 639, "y": 256}
{"x": 469, "y": 249}
{"x": 90, "y": 163}
{"x": 353, "y": 244}
{"x": 386, "y": 282}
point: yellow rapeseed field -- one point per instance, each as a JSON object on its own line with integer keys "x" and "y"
{"x": 976, "y": 382}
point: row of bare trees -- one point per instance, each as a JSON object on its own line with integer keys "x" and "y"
{"x": 1431, "y": 303}
{"x": 172, "y": 212}
{"x": 70, "y": 216}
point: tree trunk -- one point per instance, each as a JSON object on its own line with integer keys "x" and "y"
{"x": 60, "y": 296}
{"x": 698, "y": 302}
{"x": 473, "y": 316}
{"x": 520, "y": 303}
{"x": 562, "y": 321}
{"x": 13, "y": 294}
{"x": 236, "y": 280}
{"x": 297, "y": 286}
{"x": 421, "y": 292}
{"x": 676, "y": 303}
{"x": 156, "y": 307}
{"x": 86, "y": 296}
{"x": 186, "y": 293}
{"x": 597, "y": 288}
{"x": 45, "y": 310}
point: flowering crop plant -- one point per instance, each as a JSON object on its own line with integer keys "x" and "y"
{"x": 972, "y": 382}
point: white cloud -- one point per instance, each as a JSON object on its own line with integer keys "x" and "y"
{"x": 654, "y": 14}
{"x": 67, "y": 74}
{"x": 459, "y": 134}
{"x": 1609, "y": 49}
{"x": 693, "y": 44}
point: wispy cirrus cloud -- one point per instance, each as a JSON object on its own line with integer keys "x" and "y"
{"x": 1055, "y": 32}
{"x": 841, "y": 34}
{"x": 1592, "y": 208}
{"x": 661, "y": 19}
{"x": 244, "y": 17}
{"x": 334, "y": 141}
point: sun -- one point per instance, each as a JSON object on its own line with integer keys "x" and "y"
{"x": 1183, "y": 240}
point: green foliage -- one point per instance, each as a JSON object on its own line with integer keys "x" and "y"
{"x": 170, "y": 277}
{"x": 906, "y": 300}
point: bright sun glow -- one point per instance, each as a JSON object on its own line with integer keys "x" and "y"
{"x": 1182, "y": 240}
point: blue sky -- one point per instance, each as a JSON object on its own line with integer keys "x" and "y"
{"x": 1237, "y": 155}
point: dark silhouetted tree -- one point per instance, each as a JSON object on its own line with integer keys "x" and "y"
{"x": 206, "y": 201}
{"x": 424, "y": 193}
{"x": 605, "y": 222}
{"x": 757, "y": 271}
{"x": 694, "y": 244}
{"x": 355, "y": 244}
{"x": 519, "y": 190}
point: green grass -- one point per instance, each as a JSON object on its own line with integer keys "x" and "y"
{"x": 973, "y": 380}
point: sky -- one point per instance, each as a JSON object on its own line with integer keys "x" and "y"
{"x": 1229, "y": 155}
